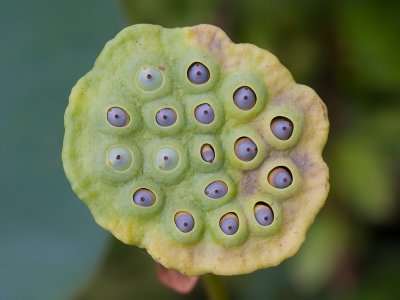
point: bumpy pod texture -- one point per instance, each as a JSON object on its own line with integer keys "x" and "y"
{"x": 172, "y": 142}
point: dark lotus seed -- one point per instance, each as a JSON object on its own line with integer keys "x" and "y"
{"x": 117, "y": 117}
{"x": 244, "y": 98}
{"x": 282, "y": 128}
{"x": 184, "y": 221}
{"x": 166, "y": 117}
{"x": 216, "y": 189}
{"x": 245, "y": 149}
{"x": 204, "y": 113}
{"x": 280, "y": 177}
{"x": 229, "y": 223}
{"x": 207, "y": 153}
{"x": 144, "y": 197}
{"x": 198, "y": 73}
{"x": 264, "y": 214}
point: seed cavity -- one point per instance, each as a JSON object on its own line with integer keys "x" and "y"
{"x": 117, "y": 117}
{"x": 198, "y": 73}
{"x": 282, "y": 128}
{"x": 119, "y": 158}
{"x": 280, "y": 177}
{"x": 167, "y": 159}
{"x": 263, "y": 214}
{"x": 229, "y": 223}
{"x": 149, "y": 78}
{"x": 184, "y": 221}
{"x": 204, "y": 113}
{"x": 245, "y": 149}
{"x": 166, "y": 117}
{"x": 207, "y": 153}
{"x": 244, "y": 98}
{"x": 144, "y": 197}
{"x": 216, "y": 189}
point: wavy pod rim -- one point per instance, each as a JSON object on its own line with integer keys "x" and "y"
{"x": 112, "y": 82}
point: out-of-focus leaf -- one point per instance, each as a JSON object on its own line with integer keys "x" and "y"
{"x": 369, "y": 35}
{"x": 129, "y": 273}
{"x": 363, "y": 164}
{"x": 315, "y": 263}
{"x": 170, "y": 13}
{"x": 49, "y": 242}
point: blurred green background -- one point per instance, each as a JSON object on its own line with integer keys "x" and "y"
{"x": 348, "y": 51}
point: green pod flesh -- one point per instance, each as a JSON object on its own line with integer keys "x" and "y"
{"x": 145, "y": 69}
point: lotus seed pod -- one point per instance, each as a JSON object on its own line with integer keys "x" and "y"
{"x": 229, "y": 191}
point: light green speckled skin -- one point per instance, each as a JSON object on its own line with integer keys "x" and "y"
{"x": 108, "y": 192}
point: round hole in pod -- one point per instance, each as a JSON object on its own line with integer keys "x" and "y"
{"x": 198, "y": 73}
{"x": 280, "y": 177}
{"x": 282, "y": 128}
{"x": 263, "y": 214}
{"x": 144, "y": 197}
{"x": 207, "y": 153}
{"x": 149, "y": 78}
{"x": 117, "y": 117}
{"x": 216, "y": 189}
{"x": 184, "y": 221}
{"x": 166, "y": 117}
{"x": 233, "y": 93}
{"x": 244, "y": 98}
{"x": 119, "y": 158}
{"x": 258, "y": 206}
{"x": 229, "y": 223}
{"x": 204, "y": 113}
{"x": 165, "y": 160}
{"x": 245, "y": 149}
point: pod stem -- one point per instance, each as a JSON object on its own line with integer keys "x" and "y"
{"x": 215, "y": 288}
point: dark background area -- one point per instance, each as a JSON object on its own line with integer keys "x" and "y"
{"x": 348, "y": 51}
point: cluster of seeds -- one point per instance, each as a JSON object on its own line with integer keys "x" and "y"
{"x": 150, "y": 78}
{"x": 184, "y": 144}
